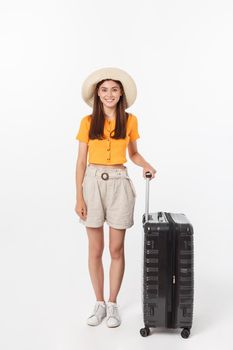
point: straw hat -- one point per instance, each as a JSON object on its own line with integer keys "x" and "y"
{"x": 127, "y": 81}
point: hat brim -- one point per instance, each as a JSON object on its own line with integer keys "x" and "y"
{"x": 127, "y": 81}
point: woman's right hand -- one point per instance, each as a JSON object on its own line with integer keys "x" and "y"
{"x": 81, "y": 208}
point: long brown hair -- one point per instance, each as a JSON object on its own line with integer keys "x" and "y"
{"x": 98, "y": 117}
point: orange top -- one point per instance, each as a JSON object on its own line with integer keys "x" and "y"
{"x": 108, "y": 151}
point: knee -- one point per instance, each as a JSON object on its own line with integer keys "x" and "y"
{"x": 116, "y": 252}
{"x": 96, "y": 252}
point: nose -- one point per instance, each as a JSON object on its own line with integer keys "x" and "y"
{"x": 109, "y": 94}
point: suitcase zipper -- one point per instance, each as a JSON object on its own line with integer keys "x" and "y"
{"x": 173, "y": 269}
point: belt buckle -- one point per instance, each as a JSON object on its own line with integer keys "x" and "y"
{"x": 105, "y": 176}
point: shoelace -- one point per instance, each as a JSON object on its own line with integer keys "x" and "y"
{"x": 113, "y": 311}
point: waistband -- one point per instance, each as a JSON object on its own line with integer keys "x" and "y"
{"x": 106, "y": 173}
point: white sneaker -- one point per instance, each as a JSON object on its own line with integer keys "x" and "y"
{"x": 98, "y": 314}
{"x": 113, "y": 317}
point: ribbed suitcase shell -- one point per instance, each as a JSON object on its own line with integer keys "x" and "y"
{"x": 168, "y": 276}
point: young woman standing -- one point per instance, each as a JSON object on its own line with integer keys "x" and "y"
{"x": 104, "y": 190}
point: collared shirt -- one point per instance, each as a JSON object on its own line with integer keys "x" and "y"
{"x": 109, "y": 150}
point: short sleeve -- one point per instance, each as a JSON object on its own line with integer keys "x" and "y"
{"x": 83, "y": 133}
{"x": 134, "y": 135}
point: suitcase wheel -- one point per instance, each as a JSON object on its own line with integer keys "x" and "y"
{"x": 185, "y": 333}
{"x": 145, "y": 331}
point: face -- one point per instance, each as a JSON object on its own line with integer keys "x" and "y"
{"x": 109, "y": 93}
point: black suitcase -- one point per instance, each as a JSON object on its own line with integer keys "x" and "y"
{"x": 168, "y": 276}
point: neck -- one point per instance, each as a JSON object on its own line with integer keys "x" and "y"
{"x": 110, "y": 112}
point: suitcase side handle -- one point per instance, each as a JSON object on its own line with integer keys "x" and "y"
{"x": 148, "y": 177}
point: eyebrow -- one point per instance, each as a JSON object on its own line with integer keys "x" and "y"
{"x": 104, "y": 87}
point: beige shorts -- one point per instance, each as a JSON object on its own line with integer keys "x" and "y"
{"x": 109, "y": 195}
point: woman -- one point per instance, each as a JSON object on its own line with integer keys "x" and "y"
{"x": 104, "y": 189}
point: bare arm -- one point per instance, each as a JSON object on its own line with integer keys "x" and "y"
{"x": 80, "y": 168}
{"x": 137, "y": 158}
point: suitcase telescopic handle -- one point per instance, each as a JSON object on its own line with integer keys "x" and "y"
{"x": 148, "y": 177}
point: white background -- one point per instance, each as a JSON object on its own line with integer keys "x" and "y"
{"x": 180, "y": 54}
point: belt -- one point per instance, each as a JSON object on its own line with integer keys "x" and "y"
{"x": 107, "y": 174}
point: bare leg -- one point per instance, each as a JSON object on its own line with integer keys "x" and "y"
{"x": 116, "y": 247}
{"x": 95, "y": 251}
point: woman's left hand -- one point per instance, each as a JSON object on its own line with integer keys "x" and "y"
{"x": 150, "y": 169}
